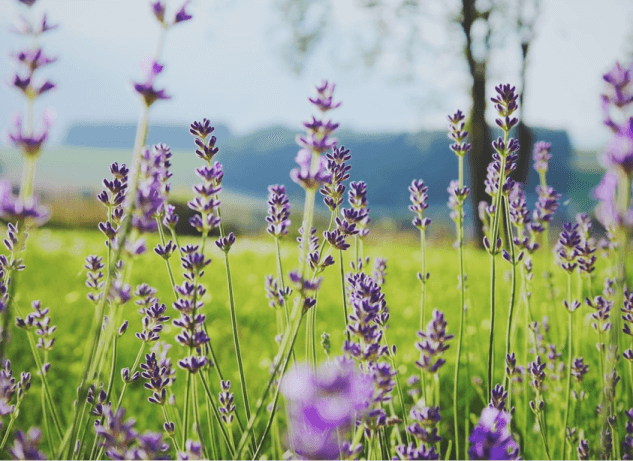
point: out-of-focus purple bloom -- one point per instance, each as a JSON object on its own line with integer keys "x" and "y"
{"x": 158, "y": 8}
{"x": 182, "y": 15}
{"x": 433, "y": 343}
{"x": 26, "y": 28}
{"x": 324, "y": 101}
{"x": 546, "y": 205}
{"x": 541, "y": 156}
{"x": 9, "y": 388}
{"x": 619, "y": 93}
{"x": 412, "y": 452}
{"x": 627, "y": 443}
{"x": 456, "y": 198}
{"x": 310, "y": 175}
{"x": 193, "y": 451}
{"x": 30, "y": 145}
{"x": 491, "y": 438}
{"x": 583, "y": 449}
{"x": 380, "y": 271}
{"x": 424, "y": 426}
{"x": 33, "y": 59}
{"x": 28, "y": 212}
{"x": 278, "y": 218}
{"x": 566, "y": 249}
{"x": 147, "y": 91}
{"x": 619, "y": 153}
{"x": 25, "y": 445}
{"x": 322, "y": 405}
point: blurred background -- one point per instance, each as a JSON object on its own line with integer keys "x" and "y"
{"x": 401, "y": 66}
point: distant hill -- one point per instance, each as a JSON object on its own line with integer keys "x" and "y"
{"x": 107, "y": 135}
{"x": 387, "y": 162}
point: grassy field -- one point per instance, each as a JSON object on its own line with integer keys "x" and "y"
{"x": 54, "y": 274}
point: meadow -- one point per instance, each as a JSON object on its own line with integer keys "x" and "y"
{"x": 319, "y": 337}
{"x": 56, "y": 276}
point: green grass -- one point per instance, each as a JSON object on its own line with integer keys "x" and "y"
{"x": 54, "y": 274}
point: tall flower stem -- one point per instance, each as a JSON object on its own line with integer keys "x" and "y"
{"x": 513, "y": 283}
{"x": 343, "y": 295}
{"x": 95, "y": 335}
{"x": 216, "y": 413}
{"x": 185, "y": 410}
{"x": 423, "y": 281}
{"x": 280, "y": 275}
{"x": 398, "y": 387}
{"x": 462, "y": 306}
{"x": 569, "y": 363}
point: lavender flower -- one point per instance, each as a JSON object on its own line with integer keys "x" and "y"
{"x": 542, "y": 157}
{"x": 153, "y": 320}
{"x": 357, "y": 197}
{"x": 367, "y": 303}
{"x": 193, "y": 450}
{"x": 419, "y": 203}
{"x": 412, "y": 452}
{"x": 146, "y": 90}
{"x": 627, "y": 443}
{"x": 456, "y": 199}
{"x": 380, "y": 271}
{"x": 491, "y": 438}
{"x": 158, "y": 377}
{"x": 227, "y": 405}
{"x": 338, "y": 170}
{"x": 619, "y": 90}
{"x": 30, "y": 145}
{"x": 424, "y": 427}
{"x": 153, "y": 188}
{"x": 313, "y": 172}
{"x": 322, "y": 404}
{"x": 566, "y": 248}
{"x": 278, "y": 218}
{"x": 9, "y": 389}
{"x": 619, "y": 153}
{"x": 498, "y": 397}
{"x": 113, "y": 198}
{"x": 25, "y": 445}
{"x": 206, "y": 202}
{"x": 579, "y": 369}
{"x": 583, "y": 449}
{"x": 433, "y": 343}
{"x": 41, "y": 322}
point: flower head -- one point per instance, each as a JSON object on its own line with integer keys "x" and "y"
{"x": 491, "y": 438}
{"x": 322, "y": 404}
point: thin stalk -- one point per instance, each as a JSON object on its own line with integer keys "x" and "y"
{"x": 541, "y": 425}
{"x": 340, "y": 253}
{"x": 491, "y": 343}
{"x": 514, "y": 275}
{"x": 569, "y": 359}
{"x": 47, "y": 426}
{"x": 212, "y": 435}
{"x": 460, "y": 237}
{"x": 280, "y": 275}
{"x": 423, "y": 286}
{"x": 173, "y": 439}
{"x": 95, "y": 335}
{"x": 185, "y": 411}
{"x": 398, "y": 387}
{"x": 216, "y": 413}
{"x": 236, "y": 340}
{"x": 196, "y": 419}
{"x": 172, "y": 280}
{"x": 137, "y": 361}
{"x": 6, "y": 434}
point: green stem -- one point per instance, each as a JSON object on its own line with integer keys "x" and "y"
{"x": 569, "y": 359}
{"x": 513, "y": 285}
{"x": 236, "y": 340}
{"x": 398, "y": 387}
{"x": 340, "y": 253}
{"x": 196, "y": 419}
{"x": 216, "y": 413}
{"x": 492, "y": 325}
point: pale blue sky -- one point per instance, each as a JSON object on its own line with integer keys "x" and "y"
{"x": 225, "y": 64}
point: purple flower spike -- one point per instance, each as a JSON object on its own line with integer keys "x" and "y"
{"x": 147, "y": 91}
{"x": 158, "y": 8}
{"x": 542, "y": 156}
{"x": 324, "y": 101}
{"x": 458, "y": 134}
{"x": 566, "y": 249}
{"x": 28, "y": 145}
{"x": 25, "y": 445}
{"x": 278, "y": 218}
{"x": 33, "y": 59}
{"x": 182, "y": 15}
{"x": 433, "y": 343}
{"x": 492, "y": 439}
{"x": 310, "y": 175}
{"x": 419, "y": 198}
{"x": 619, "y": 154}
{"x": 322, "y": 405}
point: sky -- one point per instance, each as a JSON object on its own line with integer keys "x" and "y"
{"x": 227, "y": 64}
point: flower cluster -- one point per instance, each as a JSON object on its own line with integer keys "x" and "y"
{"x": 122, "y": 441}
{"x": 618, "y": 157}
{"x": 227, "y": 405}
{"x": 206, "y": 202}
{"x": 28, "y": 212}
{"x": 113, "y": 198}
{"x": 153, "y": 188}
{"x": 433, "y": 344}
{"x": 322, "y": 406}
{"x": 10, "y": 389}
{"x": 541, "y": 157}
{"x": 159, "y": 375}
{"x": 627, "y": 443}
{"x": 158, "y": 8}
{"x": 338, "y": 169}
{"x": 27, "y": 141}
{"x": 313, "y": 172}
{"x": 419, "y": 203}
{"x": 627, "y": 317}
{"x": 278, "y": 218}
{"x": 41, "y": 322}
{"x": 359, "y": 213}
{"x": 25, "y": 446}
{"x": 566, "y": 247}
{"x": 424, "y": 427}
{"x": 192, "y": 333}
{"x": 491, "y": 438}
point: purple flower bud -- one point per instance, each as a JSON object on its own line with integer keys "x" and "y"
{"x": 182, "y": 15}
{"x": 491, "y": 438}
{"x": 225, "y": 243}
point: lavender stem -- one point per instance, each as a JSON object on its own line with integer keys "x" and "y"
{"x": 569, "y": 363}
